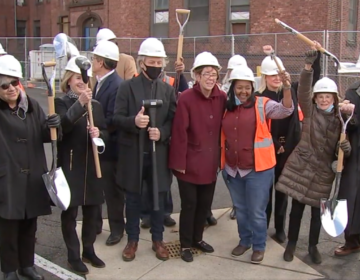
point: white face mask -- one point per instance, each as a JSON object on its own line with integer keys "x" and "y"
{"x": 99, "y": 143}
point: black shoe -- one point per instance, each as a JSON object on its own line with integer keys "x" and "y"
{"x": 315, "y": 255}
{"x": 280, "y": 236}
{"x": 113, "y": 239}
{"x": 211, "y": 221}
{"x": 145, "y": 223}
{"x": 11, "y": 276}
{"x": 289, "y": 252}
{"x": 31, "y": 273}
{"x": 186, "y": 255}
{"x": 203, "y": 246}
{"x": 233, "y": 213}
{"x": 168, "y": 221}
{"x": 93, "y": 260}
{"x": 78, "y": 267}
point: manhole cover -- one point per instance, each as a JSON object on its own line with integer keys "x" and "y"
{"x": 174, "y": 249}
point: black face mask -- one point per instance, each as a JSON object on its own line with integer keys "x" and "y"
{"x": 153, "y": 72}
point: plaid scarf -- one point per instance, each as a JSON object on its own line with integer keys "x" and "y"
{"x": 72, "y": 95}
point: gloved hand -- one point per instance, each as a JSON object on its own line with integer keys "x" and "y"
{"x": 346, "y": 147}
{"x": 53, "y": 121}
{"x": 310, "y": 56}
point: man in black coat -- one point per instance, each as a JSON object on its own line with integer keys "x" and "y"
{"x": 350, "y": 179}
{"x": 136, "y": 140}
{"x": 106, "y": 56}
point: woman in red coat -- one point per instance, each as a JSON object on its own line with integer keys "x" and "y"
{"x": 195, "y": 150}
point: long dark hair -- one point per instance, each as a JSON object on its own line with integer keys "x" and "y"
{"x": 231, "y": 104}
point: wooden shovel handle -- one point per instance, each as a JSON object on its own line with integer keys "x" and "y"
{"x": 180, "y": 47}
{"x": 340, "y": 160}
{"x": 182, "y": 11}
{"x": 51, "y": 105}
{"x": 95, "y": 150}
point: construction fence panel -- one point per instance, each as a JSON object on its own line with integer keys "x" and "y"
{"x": 287, "y": 46}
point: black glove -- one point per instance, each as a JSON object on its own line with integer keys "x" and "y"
{"x": 53, "y": 121}
{"x": 346, "y": 147}
{"x": 310, "y": 56}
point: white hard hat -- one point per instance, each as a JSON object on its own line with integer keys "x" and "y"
{"x": 205, "y": 59}
{"x": 325, "y": 85}
{"x": 236, "y": 60}
{"x": 105, "y": 34}
{"x": 107, "y": 49}
{"x": 152, "y": 47}
{"x": 269, "y": 67}
{"x": 243, "y": 73}
{"x": 2, "y": 51}
{"x": 71, "y": 66}
{"x": 10, "y": 66}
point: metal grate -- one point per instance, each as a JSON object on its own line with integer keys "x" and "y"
{"x": 174, "y": 249}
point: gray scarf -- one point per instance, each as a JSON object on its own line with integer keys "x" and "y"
{"x": 23, "y": 105}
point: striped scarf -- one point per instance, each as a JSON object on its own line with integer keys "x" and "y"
{"x": 72, "y": 95}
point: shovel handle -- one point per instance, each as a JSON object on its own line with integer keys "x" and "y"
{"x": 94, "y": 147}
{"x": 49, "y": 63}
{"x": 51, "y": 105}
{"x": 180, "y": 47}
{"x": 340, "y": 160}
{"x": 182, "y": 11}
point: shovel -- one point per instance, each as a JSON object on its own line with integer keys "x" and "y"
{"x": 55, "y": 180}
{"x": 334, "y": 212}
{"x": 84, "y": 64}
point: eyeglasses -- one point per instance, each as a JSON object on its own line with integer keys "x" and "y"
{"x": 7, "y": 85}
{"x": 208, "y": 76}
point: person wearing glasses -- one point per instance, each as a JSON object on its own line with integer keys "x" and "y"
{"x": 23, "y": 195}
{"x": 195, "y": 151}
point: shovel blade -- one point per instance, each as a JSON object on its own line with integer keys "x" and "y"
{"x": 334, "y": 224}
{"x": 58, "y": 188}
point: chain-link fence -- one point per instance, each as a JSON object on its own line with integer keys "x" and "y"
{"x": 32, "y": 51}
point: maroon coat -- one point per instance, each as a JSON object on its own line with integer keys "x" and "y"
{"x": 195, "y": 138}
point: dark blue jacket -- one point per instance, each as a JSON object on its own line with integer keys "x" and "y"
{"x": 106, "y": 96}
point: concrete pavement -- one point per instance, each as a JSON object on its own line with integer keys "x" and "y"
{"x": 218, "y": 265}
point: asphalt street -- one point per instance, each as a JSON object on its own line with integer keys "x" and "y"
{"x": 50, "y": 243}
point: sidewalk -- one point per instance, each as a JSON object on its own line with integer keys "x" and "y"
{"x": 218, "y": 265}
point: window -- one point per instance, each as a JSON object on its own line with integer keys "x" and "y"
{"x": 21, "y": 28}
{"x": 160, "y": 21}
{"x": 20, "y": 2}
{"x": 40, "y": 1}
{"x": 64, "y": 25}
{"x": 198, "y": 24}
{"x": 352, "y": 25}
{"x": 238, "y": 16}
{"x": 37, "y": 28}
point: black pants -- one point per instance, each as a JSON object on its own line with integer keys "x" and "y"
{"x": 17, "y": 243}
{"x": 281, "y": 202}
{"x": 352, "y": 240}
{"x": 88, "y": 232}
{"x": 147, "y": 202}
{"x": 196, "y": 201}
{"x": 114, "y": 198}
{"x": 297, "y": 210}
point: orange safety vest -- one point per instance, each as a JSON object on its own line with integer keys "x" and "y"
{"x": 166, "y": 79}
{"x": 264, "y": 150}
{"x": 301, "y": 115}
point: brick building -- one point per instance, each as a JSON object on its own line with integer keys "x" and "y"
{"x": 246, "y": 19}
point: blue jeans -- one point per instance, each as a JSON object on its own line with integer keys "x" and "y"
{"x": 147, "y": 203}
{"x": 133, "y": 209}
{"x": 250, "y": 196}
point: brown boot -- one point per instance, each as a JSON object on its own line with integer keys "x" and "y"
{"x": 161, "y": 251}
{"x": 129, "y": 252}
{"x": 257, "y": 257}
{"x": 346, "y": 250}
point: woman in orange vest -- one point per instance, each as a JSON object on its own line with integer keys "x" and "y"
{"x": 248, "y": 157}
{"x": 286, "y": 132}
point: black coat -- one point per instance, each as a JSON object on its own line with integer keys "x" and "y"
{"x": 22, "y": 163}
{"x": 106, "y": 96}
{"x": 75, "y": 154}
{"x": 128, "y": 103}
{"x": 350, "y": 180}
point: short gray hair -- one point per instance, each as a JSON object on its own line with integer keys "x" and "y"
{"x": 142, "y": 58}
